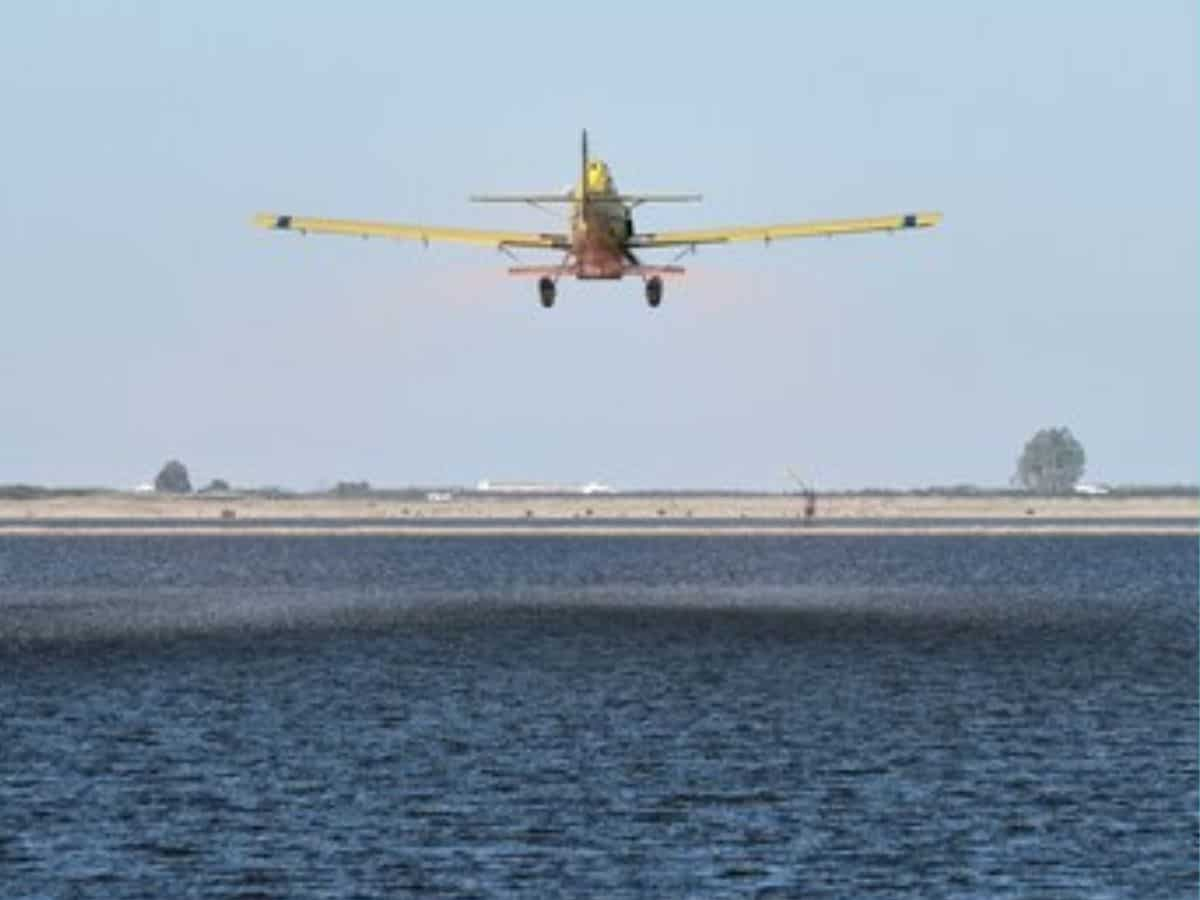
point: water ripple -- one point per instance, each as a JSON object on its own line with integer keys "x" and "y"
{"x": 327, "y": 718}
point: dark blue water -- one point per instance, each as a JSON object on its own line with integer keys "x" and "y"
{"x": 663, "y": 716}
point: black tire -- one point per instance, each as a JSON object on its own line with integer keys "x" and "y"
{"x": 654, "y": 291}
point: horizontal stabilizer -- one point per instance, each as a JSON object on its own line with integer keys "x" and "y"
{"x": 637, "y": 199}
{"x": 570, "y": 197}
{"x": 522, "y": 198}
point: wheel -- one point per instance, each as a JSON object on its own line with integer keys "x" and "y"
{"x": 654, "y": 289}
{"x": 546, "y": 291}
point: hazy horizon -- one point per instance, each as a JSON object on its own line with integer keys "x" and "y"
{"x": 147, "y": 319}
{"x": 330, "y": 487}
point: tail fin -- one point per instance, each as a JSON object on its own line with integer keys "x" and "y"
{"x": 583, "y": 181}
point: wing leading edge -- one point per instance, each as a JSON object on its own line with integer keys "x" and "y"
{"x": 423, "y": 233}
{"x": 767, "y": 233}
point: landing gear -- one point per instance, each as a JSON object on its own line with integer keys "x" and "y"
{"x": 654, "y": 290}
{"x": 546, "y": 291}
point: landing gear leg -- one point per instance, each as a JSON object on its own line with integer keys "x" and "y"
{"x": 654, "y": 290}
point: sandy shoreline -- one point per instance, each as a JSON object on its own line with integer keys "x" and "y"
{"x": 574, "y": 514}
{"x": 582, "y": 532}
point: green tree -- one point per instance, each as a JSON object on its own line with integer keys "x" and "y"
{"x": 173, "y": 478}
{"x": 352, "y": 489}
{"x": 1051, "y": 463}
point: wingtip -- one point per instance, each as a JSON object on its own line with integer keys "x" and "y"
{"x": 271, "y": 220}
{"x": 922, "y": 219}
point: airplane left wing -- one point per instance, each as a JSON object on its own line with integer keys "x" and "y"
{"x": 423, "y": 233}
{"x": 768, "y": 233}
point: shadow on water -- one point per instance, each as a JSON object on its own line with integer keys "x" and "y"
{"x": 65, "y": 592}
{"x": 222, "y": 621}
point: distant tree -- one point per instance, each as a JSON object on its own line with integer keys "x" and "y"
{"x": 217, "y": 485}
{"x": 173, "y": 478}
{"x": 1051, "y": 463}
{"x": 352, "y": 489}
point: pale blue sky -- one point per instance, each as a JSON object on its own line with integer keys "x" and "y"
{"x": 144, "y": 318}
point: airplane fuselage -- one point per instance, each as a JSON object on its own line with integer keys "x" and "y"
{"x": 600, "y": 226}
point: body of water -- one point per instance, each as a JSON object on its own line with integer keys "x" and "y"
{"x": 517, "y": 715}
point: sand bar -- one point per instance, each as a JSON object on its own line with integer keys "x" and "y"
{"x": 633, "y": 514}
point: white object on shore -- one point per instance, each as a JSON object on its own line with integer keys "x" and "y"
{"x": 486, "y": 486}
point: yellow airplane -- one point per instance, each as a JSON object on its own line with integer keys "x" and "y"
{"x": 602, "y": 242}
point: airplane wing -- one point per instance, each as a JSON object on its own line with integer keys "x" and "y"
{"x": 768, "y": 233}
{"x": 423, "y": 233}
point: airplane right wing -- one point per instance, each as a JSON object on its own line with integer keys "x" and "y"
{"x": 423, "y": 233}
{"x": 768, "y": 233}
